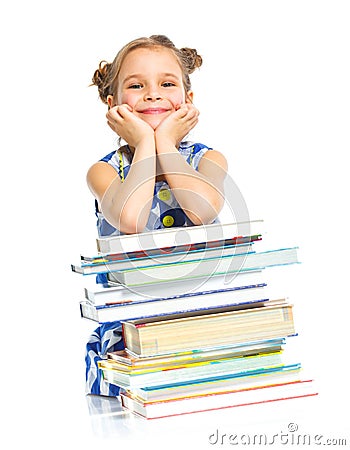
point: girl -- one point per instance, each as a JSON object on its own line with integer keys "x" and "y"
{"x": 157, "y": 179}
{"x": 148, "y": 93}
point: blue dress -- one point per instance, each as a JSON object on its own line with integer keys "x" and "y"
{"x": 165, "y": 212}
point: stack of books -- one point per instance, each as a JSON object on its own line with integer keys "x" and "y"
{"x": 199, "y": 328}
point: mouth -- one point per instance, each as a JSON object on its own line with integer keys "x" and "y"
{"x": 154, "y": 111}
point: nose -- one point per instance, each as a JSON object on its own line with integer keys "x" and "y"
{"x": 152, "y": 94}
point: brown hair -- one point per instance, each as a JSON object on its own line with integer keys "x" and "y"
{"x": 105, "y": 77}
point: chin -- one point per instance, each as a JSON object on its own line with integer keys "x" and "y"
{"x": 154, "y": 123}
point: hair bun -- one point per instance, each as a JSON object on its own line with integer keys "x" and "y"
{"x": 191, "y": 59}
{"x": 100, "y": 79}
{"x": 163, "y": 40}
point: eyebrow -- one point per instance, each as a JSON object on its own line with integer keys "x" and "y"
{"x": 129, "y": 77}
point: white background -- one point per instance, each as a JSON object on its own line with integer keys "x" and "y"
{"x": 274, "y": 97}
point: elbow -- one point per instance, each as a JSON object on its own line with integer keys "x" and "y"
{"x": 202, "y": 220}
{"x": 204, "y": 217}
{"x": 206, "y": 211}
{"x": 129, "y": 223}
{"x": 133, "y": 222}
{"x": 130, "y": 228}
{"x": 127, "y": 220}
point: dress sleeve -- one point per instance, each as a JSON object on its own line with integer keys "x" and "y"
{"x": 193, "y": 152}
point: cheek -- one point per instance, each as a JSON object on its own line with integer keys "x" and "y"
{"x": 178, "y": 98}
{"x": 126, "y": 97}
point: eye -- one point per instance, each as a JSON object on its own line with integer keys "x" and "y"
{"x": 135, "y": 86}
{"x": 168, "y": 84}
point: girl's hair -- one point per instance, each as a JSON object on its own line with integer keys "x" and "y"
{"x": 106, "y": 76}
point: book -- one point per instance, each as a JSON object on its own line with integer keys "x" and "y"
{"x": 201, "y": 403}
{"x": 112, "y": 291}
{"x": 205, "y": 268}
{"x": 154, "y": 252}
{"x": 177, "y": 236}
{"x": 125, "y": 359}
{"x": 199, "y": 327}
{"x": 251, "y": 379}
{"x": 205, "y": 329}
{"x": 130, "y": 377}
{"x": 127, "y": 308}
{"x": 107, "y": 264}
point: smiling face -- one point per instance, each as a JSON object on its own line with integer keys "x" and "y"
{"x": 150, "y": 81}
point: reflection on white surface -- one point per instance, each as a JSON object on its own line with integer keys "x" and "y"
{"x": 311, "y": 417}
{"x": 109, "y": 421}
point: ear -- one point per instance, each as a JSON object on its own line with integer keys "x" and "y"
{"x": 189, "y": 97}
{"x": 110, "y": 101}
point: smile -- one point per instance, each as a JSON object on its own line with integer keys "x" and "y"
{"x": 154, "y": 111}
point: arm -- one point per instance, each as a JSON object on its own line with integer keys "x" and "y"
{"x": 126, "y": 205}
{"x": 200, "y": 193}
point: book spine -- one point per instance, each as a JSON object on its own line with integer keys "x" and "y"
{"x": 174, "y": 237}
{"x": 167, "y": 251}
{"x": 88, "y": 311}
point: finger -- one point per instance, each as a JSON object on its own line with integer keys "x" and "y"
{"x": 113, "y": 114}
{"x": 127, "y": 112}
{"x": 192, "y": 108}
{"x": 182, "y": 111}
{"x": 125, "y": 106}
{"x": 110, "y": 125}
{"x": 121, "y": 110}
{"x": 190, "y": 115}
{"x": 192, "y": 122}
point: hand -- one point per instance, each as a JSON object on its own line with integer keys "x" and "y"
{"x": 128, "y": 126}
{"x": 178, "y": 124}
